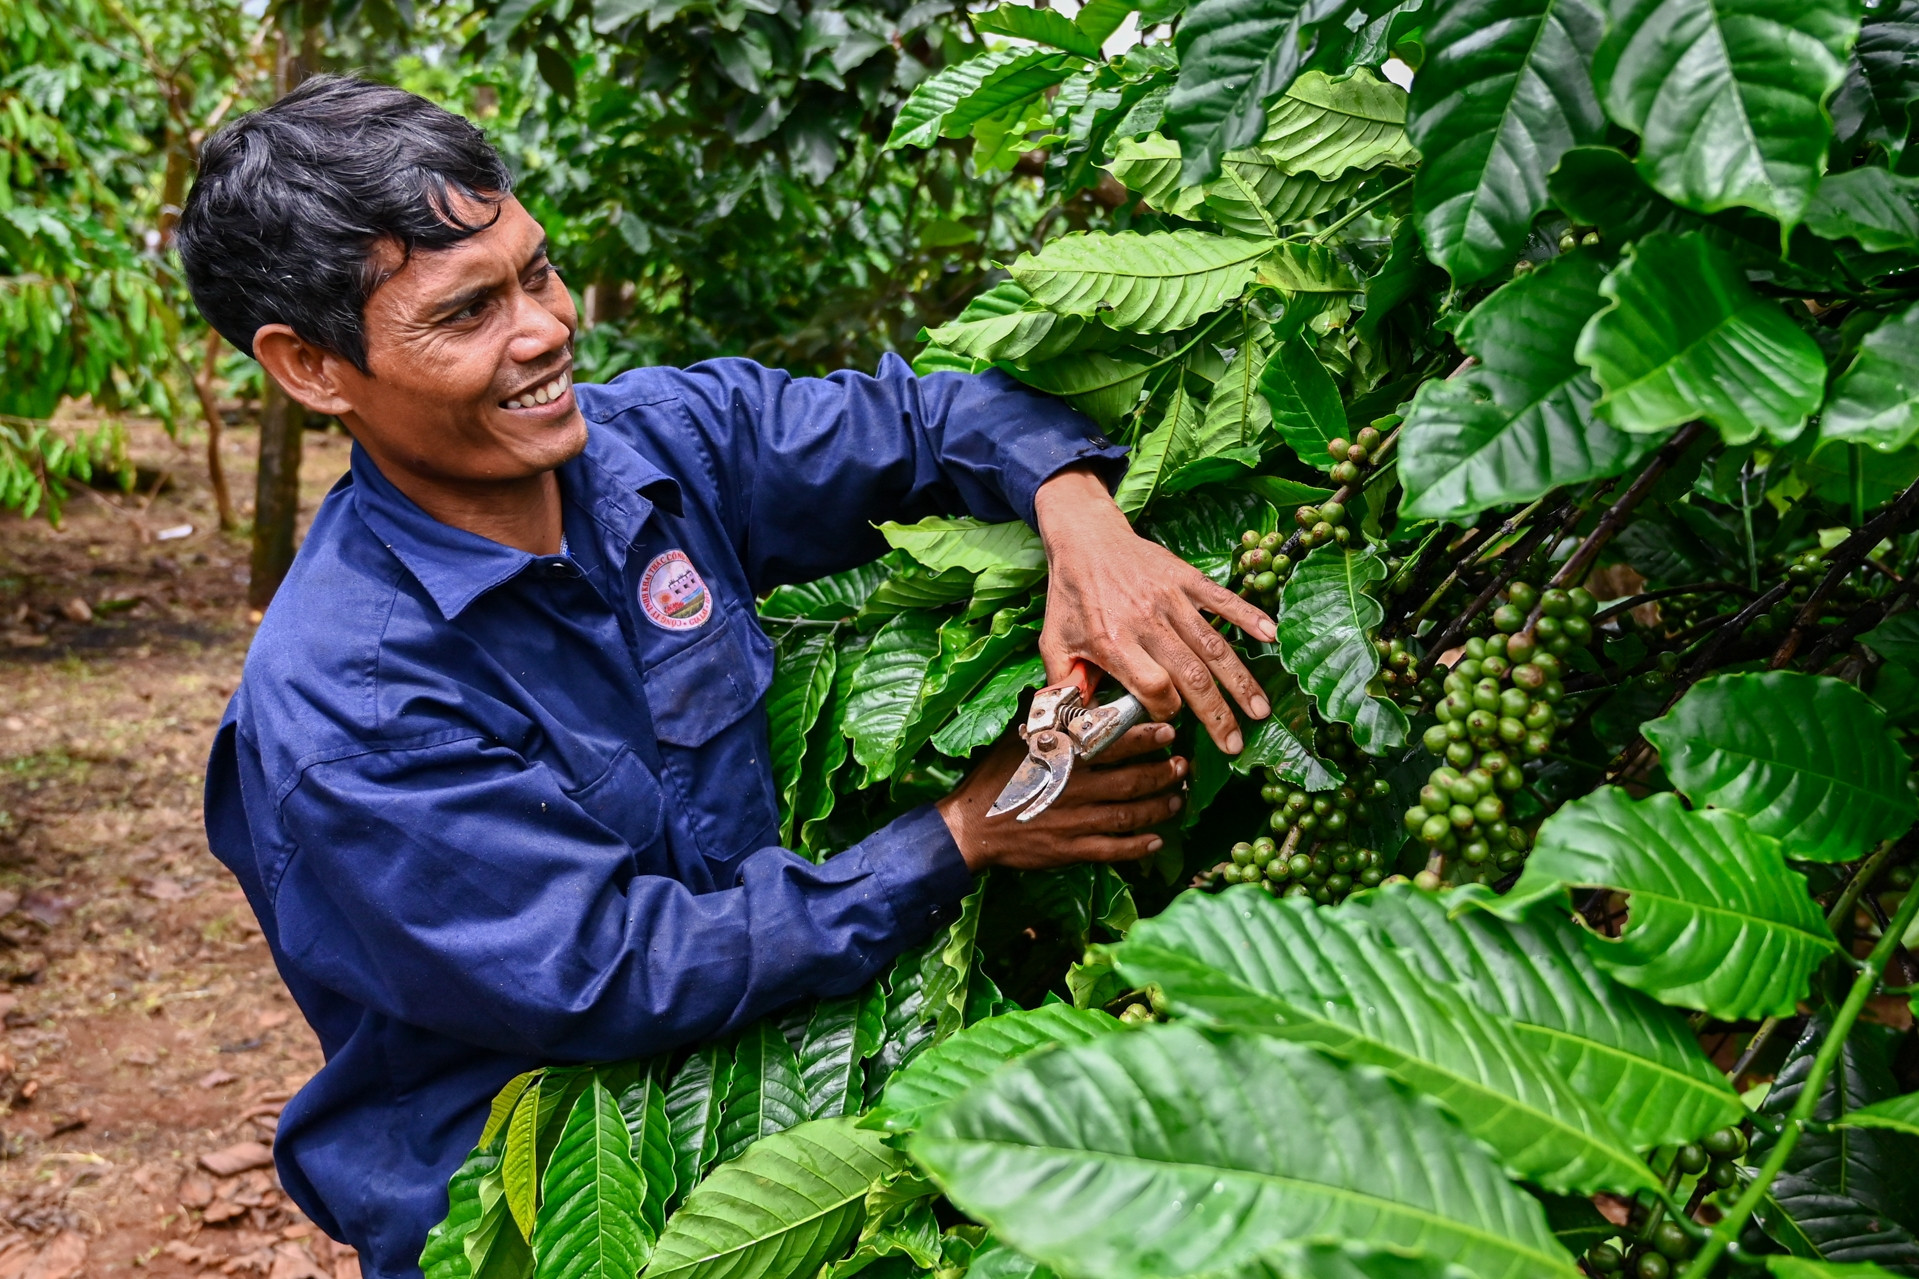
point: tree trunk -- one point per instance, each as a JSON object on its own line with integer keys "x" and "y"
{"x": 276, "y": 503}
{"x": 276, "y": 507}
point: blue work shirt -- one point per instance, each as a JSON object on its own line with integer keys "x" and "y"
{"x": 495, "y": 809}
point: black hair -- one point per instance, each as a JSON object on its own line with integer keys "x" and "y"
{"x": 291, "y": 201}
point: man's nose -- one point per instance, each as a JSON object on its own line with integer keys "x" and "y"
{"x": 537, "y": 331}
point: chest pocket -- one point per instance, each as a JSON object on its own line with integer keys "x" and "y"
{"x": 705, "y": 700}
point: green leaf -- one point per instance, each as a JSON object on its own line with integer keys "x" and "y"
{"x": 444, "y": 1256}
{"x": 1045, "y": 26}
{"x": 986, "y": 716}
{"x": 1884, "y": 57}
{"x": 1599, "y": 187}
{"x": 1150, "y": 166}
{"x": 1304, "y": 400}
{"x": 1896, "y": 1114}
{"x": 1234, "y": 56}
{"x": 765, "y": 1094}
{"x": 886, "y": 691}
{"x": 949, "y": 966}
{"x": 1869, "y": 205}
{"x": 840, "y": 1035}
{"x": 1004, "y": 323}
{"x": 1240, "y": 960}
{"x": 829, "y": 599}
{"x": 1099, "y": 19}
{"x": 1520, "y": 422}
{"x": 949, "y": 1068}
{"x": 1717, "y": 922}
{"x": 943, "y": 542}
{"x": 641, "y": 1090}
{"x": 1503, "y": 93}
{"x": 1238, "y": 413}
{"x": 1844, "y": 1194}
{"x": 802, "y": 682}
{"x": 1283, "y": 741}
{"x": 1150, "y": 283}
{"x": 1896, "y": 639}
{"x": 1328, "y": 126}
{"x": 1728, "y": 96}
{"x": 503, "y": 1103}
{"x": 788, "y": 1204}
{"x": 1327, "y": 618}
{"x": 952, "y": 100}
{"x": 967, "y": 656}
{"x": 519, "y": 1163}
{"x": 1685, "y": 337}
{"x": 590, "y": 1225}
{"x": 496, "y": 1249}
{"x": 1255, "y": 195}
{"x": 1787, "y": 1267}
{"x": 1805, "y": 759}
{"x": 1294, "y": 268}
{"x": 693, "y": 1105}
{"x": 1163, "y": 1152}
{"x": 1636, "y": 1060}
{"x": 1104, "y": 385}
{"x": 1876, "y": 400}
{"x": 1162, "y": 451}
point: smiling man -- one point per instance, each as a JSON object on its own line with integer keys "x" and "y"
{"x": 496, "y": 780}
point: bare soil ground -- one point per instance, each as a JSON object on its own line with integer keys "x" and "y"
{"x": 146, "y": 1042}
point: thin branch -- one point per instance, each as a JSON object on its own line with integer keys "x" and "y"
{"x": 1574, "y": 569}
{"x": 1626, "y": 605}
{"x": 1846, "y": 557}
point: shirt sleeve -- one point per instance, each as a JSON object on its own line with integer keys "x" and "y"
{"x": 455, "y": 888}
{"x": 807, "y": 466}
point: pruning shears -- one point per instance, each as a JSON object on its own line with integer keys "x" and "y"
{"x": 1064, "y": 726}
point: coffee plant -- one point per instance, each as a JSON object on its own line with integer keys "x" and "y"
{"x": 1563, "y": 410}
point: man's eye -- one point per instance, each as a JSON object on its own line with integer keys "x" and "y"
{"x": 471, "y": 311}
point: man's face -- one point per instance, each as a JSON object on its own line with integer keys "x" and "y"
{"x": 471, "y": 351}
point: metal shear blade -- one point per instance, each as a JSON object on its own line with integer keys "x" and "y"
{"x": 1060, "y": 729}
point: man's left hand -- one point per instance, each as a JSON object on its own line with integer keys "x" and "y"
{"x": 1132, "y": 608}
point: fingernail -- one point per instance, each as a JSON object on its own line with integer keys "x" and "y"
{"x": 1154, "y": 844}
{"x": 1176, "y": 803}
{"x": 1164, "y": 733}
{"x": 1261, "y": 708}
{"x": 1234, "y": 742}
{"x": 1267, "y": 631}
{"x": 1179, "y": 767}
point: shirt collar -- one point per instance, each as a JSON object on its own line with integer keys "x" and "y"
{"x": 611, "y": 482}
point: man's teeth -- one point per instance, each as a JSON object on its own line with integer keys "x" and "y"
{"x": 543, "y": 395}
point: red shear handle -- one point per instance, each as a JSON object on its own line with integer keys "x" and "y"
{"x": 1086, "y": 675}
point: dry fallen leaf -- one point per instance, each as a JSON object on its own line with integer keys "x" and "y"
{"x": 237, "y": 1158}
{"x": 163, "y": 889}
{"x": 221, "y": 1210}
{"x": 77, "y": 610}
{"x": 63, "y": 1258}
{"x": 195, "y": 1191}
{"x": 217, "y": 1078}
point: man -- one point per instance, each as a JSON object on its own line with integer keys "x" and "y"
{"x": 496, "y": 778}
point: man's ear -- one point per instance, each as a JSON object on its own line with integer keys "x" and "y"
{"x": 304, "y": 371}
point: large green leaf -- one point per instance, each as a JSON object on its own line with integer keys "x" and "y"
{"x": 802, "y": 682}
{"x": 694, "y": 1102}
{"x": 1895, "y": 1114}
{"x": 886, "y": 691}
{"x": 954, "y": 99}
{"x": 1234, "y": 56}
{"x": 788, "y": 1204}
{"x": 1150, "y": 166}
{"x": 590, "y": 1224}
{"x": 1241, "y": 960}
{"x": 1004, "y": 323}
{"x": 1326, "y": 126}
{"x": 1870, "y": 205}
{"x": 1151, "y": 283}
{"x": 1635, "y": 1059}
{"x": 1876, "y": 400}
{"x": 1728, "y": 96}
{"x": 1685, "y": 337}
{"x": 1046, "y": 26}
{"x": 1884, "y": 56}
{"x": 1785, "y": 1266}
{"x": 444, "y": 1256}
{"x": 1520, "y": 422}
{"x": 519, "y": 1160}
{"x": 983, "y": 718}
{"x": 1255, "y": 195}
{"x": 1806, "y": 759}
{"x": 942, "y": 542}
{"x": 1165, "y": 1153}
{"x": 495, "y": 1248}
{"x": 1161, "y": 451}
{"x": 949, "y": 1068}
{"x": 1104, "y": 385}
{"x": 1283, "y": 741}
{"x": 1844, "y": 1194}
{"x": 1328, "y": 614}
{"x": 765, "y": 1094}
{"x": 640, "y": 1088}
{"x": 1305, "y": 403}
{"x": 829, "y": 599}
{"x": 1503, "y": 93}
{"x": 840, "y": 1035}
{"x": 1718, "y": 922}
{"x": 969, "y": 652}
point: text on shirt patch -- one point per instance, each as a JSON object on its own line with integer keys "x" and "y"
{"x": 673, "y": 594}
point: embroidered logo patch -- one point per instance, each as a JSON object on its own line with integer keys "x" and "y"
{"x": 673, "y": 594}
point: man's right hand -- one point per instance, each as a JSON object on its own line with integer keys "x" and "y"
{"x": 1099, "y": 818}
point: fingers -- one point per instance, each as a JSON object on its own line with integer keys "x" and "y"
{"x": 1145, "y": 678}
{"x": 1216, "y": 599}
{"x": 1138, "y": 740}
{"x": 1194, "y": 680}
{"x": 1224, "y": 663}
{"x": 1116, "y": 848}
{"x": 1108, "y": 785}
{"x": 1116, "y": 818}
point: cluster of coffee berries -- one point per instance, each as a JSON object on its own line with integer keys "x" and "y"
{"x": 1260, "y": 568}
{"x": 1396, "y": 663}
{"x": 1656, "y": 1253}
{"x": 1350, "y": 455}
{"x": 1333, "y": 869}
{"x": 1321, "y": 524}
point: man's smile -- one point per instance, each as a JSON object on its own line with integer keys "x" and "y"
{"x": 555, "y": 394}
